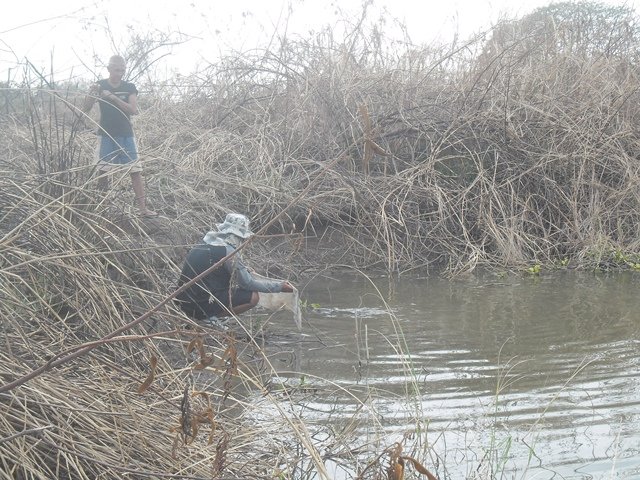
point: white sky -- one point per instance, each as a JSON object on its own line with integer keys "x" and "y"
{"x": 70, "y": 34}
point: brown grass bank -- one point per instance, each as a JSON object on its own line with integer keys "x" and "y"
{"x": 516, "y": 148}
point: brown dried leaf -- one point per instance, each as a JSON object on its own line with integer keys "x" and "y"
{"x": 212, "y": 422}
{"x": 195, "y": 343}
{"x": 230, "y": 359}
{"x": 205, "y": 360}
{"x": 419, "y": 468}
{"x": 152, "y": 375}
{"x": 220, "y": 459}
{"x": 185, "y": 411}
{"x": 395, "y": 472}
{"x": 194, "y": 431}
{"x": 174, "y": 449}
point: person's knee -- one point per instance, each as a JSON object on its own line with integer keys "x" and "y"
{"x": 255, "y": 298}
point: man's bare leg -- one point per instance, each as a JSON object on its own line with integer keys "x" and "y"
{"x": 238, "y": 309}
{"x": 138, "y": 189}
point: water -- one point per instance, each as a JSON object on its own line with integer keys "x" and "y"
{"x": 541, "y": 372}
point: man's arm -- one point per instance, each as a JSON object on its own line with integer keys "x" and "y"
{"x": 247, "y": 281}
{"x": 130, "y": 107}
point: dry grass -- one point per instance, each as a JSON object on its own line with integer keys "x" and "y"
{"x": 497, "y": 153}
{"x": 101, "y": 379}
{"x": 503, "y": 152}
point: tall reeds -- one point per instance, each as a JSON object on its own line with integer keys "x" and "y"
{"x": 513, "y": 148}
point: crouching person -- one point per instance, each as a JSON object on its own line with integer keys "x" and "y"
{"x": 230, "y": 289}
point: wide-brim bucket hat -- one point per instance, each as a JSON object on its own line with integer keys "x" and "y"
{"x": 236, "y": 224}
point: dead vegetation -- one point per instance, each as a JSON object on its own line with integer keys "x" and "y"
{"x": 518, "y": 147}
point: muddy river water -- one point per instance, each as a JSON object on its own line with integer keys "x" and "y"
{"x": 527, "y": 376}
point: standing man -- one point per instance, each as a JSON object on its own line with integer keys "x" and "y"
{"x": 116, "y": 142}
{"x": 229, "y": 289}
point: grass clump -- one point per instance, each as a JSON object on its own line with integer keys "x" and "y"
{"x": 517, "y": 148}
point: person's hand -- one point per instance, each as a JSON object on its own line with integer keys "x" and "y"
{"x": 107, "y": 95}
{"x": 95, "y": 91}
{"x": 287, "y": 287}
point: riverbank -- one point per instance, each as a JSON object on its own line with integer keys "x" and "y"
{"x": 511, "y": 153}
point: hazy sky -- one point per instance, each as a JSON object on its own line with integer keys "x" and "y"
{"x": 69, "y": 34}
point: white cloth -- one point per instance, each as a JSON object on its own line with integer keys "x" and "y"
{"x": 283, "y": 301}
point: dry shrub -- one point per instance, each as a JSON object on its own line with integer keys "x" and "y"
{"x": 78, "y": 270}
{"x": 98, "y": 380}
{"x": 514, "y": 148}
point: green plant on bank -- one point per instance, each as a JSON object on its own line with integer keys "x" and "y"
{"x": 535, "y": 269}
{"x": 307, "y": 306}
{"x": 626, "y": 259}
{"x": 606, "y": 257}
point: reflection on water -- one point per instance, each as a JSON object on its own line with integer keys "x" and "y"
{"x": 543, "y": 369}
